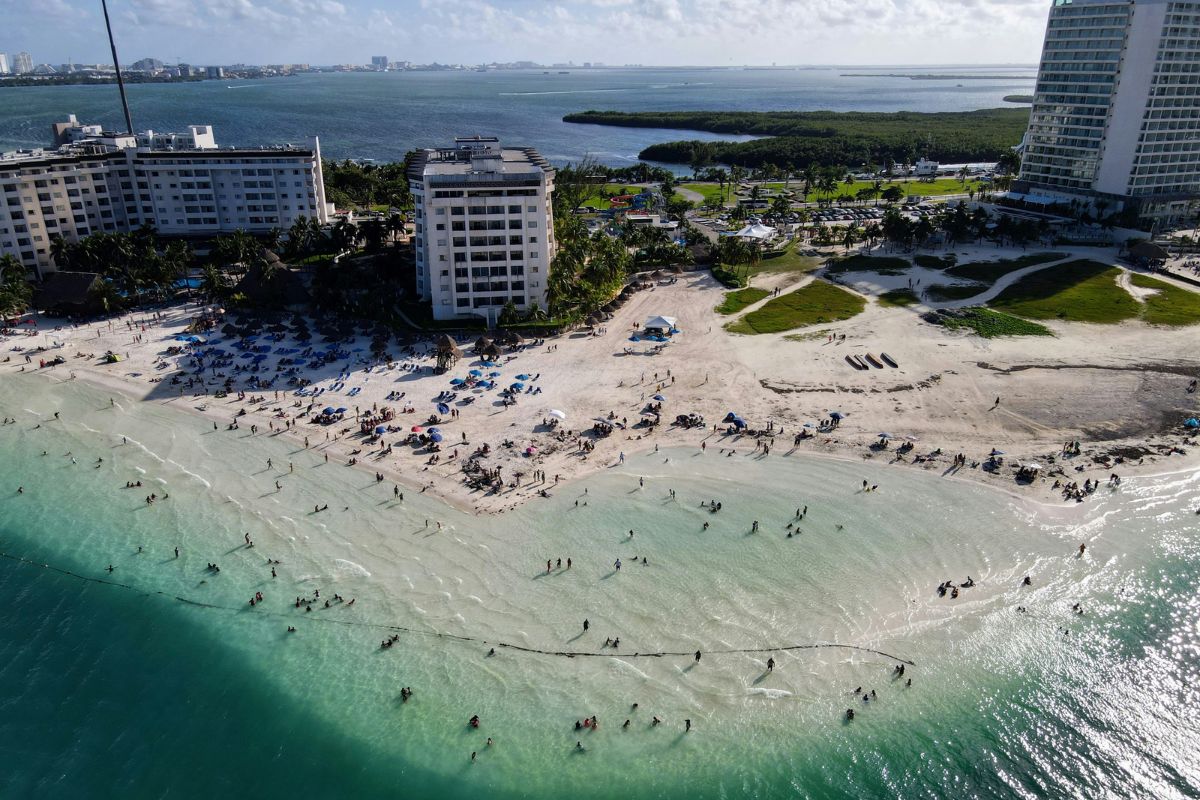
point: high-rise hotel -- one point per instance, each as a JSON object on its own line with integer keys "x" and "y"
{"x": 183, "y": 184}
{"x": 1116, "y": 112}
{"x": 484, "y": 227}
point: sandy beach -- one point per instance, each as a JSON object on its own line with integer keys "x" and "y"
{"x": 1120, "y": 390}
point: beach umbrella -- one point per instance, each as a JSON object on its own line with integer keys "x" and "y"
{"x": 434, "y": 430}
{"x": 517, "y": 386}
{"x": 328, "y": 410}
{"x": 477, "y": 373}
{"x": 443, "y": 408}
{"x": 493, "y": 374}
{"x": 342, "y": 410}
{"x": 522, "y": 377}
{"x": 380, "y": 430}
{"x": 456, "y": 381}
{"x": 659, "y": 398}
{"x": 554, "y": 412}
{"x": 837, "y": 415}
{"x": 885, "y": 436}
{"x": 996, "y": 452}
{"x": 416, "y": 428}
{"x": 437, "y": 437}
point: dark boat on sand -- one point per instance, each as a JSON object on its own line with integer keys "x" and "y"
{"x": 850, "y": 360}
{"x": 873, "y": 361}
{"x": 891, "y": 362}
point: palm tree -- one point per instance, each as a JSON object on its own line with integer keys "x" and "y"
{"x": 15, "y": 291}
{"x": 60, "y": 251}
{"x": 396, "y": 226}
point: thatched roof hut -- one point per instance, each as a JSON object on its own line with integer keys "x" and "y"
{"x": 447, "y": 352}
{"x": 481, "y": 344}
{"x": 491, "y": 352}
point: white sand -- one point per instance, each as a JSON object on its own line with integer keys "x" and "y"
{"x": 1116, "y": 385}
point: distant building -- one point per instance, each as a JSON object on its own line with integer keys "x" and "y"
{"x": 1114, "y": 117}
{"x": 379, "y": 62}
{"x": 484, "y": 227}
{"x": 146, "y": 65}
{"x": 22, "y": 63}
{"x": 182, "y": 184}
{"x": 214, "y": 73}
{"x": 4, "y": 68}
{"x": 925, "y": 168}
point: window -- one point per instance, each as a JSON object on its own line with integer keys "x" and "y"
{"x": 533, "y": 223}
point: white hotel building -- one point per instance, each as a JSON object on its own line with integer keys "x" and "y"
{"x": 1116, "y": 112}
{"x": 484, "y": 227}
{"x": 182, "y": 184}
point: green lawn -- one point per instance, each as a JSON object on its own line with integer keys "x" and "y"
{"x": 1078, "y": 291}
{"x": 736, "y": 301}
{"x": 1170, "y": 305}
{"x": 788, "y": 261}
{"x": 990, "y": 271}
{"x": 897, "y": 297}
{"x": 944, "y": 292}
{"x": 990, "y": 324}
{"x": 817, "y": 303}
{"x": 599, "y": 196}
{"x": 863, "y": 263}
{"x": 710, "y": 191}
{"x": 936, "y": 188}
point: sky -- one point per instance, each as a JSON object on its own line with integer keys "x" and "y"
{"x": 649, "y": 32}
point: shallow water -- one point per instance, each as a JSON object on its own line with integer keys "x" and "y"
{"x": 129, "y": 691}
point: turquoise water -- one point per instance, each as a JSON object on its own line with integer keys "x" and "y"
{"x": 112, "y": 691}
{"x": 382, "y": 116}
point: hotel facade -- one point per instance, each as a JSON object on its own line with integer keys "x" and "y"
{"x": 182, "y": 184}
{"x": 484, "y": 227}
{"x": 1116, "y": 111}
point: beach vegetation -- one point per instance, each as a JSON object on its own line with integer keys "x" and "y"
{"x": 988, "y": 323}
{"x": 946, "y": 292}
{"x": 351, "y": 184}
{"x": 15, "y": 291}
{"x": 1169, "y": 304}
{"x": 930, "y": 261}
{"x": 860, "y": 262}
{"x": 1078, "y": 291}
{"x": 738, "y": 300}
{"x": 898, "y": 298}
{"x": 990, "y": 271}
{"x": 816, "y": 303}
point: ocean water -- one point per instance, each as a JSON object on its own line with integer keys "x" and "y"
{"x": 159, "y": 680}
{"x": 383, "y": 115}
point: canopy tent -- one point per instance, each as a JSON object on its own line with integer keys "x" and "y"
{"x": 660, "y": 323}
{"x": 757, "y": 231}
{"x": 554, "y": 412}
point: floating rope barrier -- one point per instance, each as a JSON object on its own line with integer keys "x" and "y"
{"x": 453, "y": 636}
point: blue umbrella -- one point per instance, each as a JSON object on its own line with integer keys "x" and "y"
{"x": 380, "y": 430}
{"x": 443, "y": 408}
{"x": 659, "y": 398}
{"x": 837, "y": 415}
{"x": 434, "y": 430}
{"x": 493, "y": 374}
{"x": 456, "y": 381}
{"x": 342, "y": 410}
{"x": 328, "y": 410}
{"x": 475, "y": 372}
{"x": 437, "y": 437}
{"x": 517, "y": 386}
{"x": 522, "y": 377}
{"x": 885, "y": 436}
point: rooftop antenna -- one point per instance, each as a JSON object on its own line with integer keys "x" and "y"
{"x": 117, "y": 66}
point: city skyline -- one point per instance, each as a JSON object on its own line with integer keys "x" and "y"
{"x": 651, "y": 32}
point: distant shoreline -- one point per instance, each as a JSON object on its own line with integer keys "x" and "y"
{"x": 930, "y": 76}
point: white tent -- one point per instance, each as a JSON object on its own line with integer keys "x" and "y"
{"x": 660, "y": 323}
{"x": 757, "y": 231}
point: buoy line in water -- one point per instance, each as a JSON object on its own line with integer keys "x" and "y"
{"x": 452, "y": 636}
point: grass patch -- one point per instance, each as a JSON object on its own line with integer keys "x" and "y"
{"x": 817, "y": 303}
{"x": 989, "y": 271}
{"x": 934, "y": 262}
{"x": 808, "y": 336}
{"x": 787, "y": 261}
{"x": 728, "y": 276}
{"x": 1170, "y": 305}
{"x": 711, "y": 192}
{"x": 945, "y": 292}
{"x": 1078, "y": 291}
{"x": 736, "y": 301}
{"x": 863, "y": 263}
{"x": 990, "y": 324}
{"x": 898, "y": 298}
{"x": 599, "y": 196}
